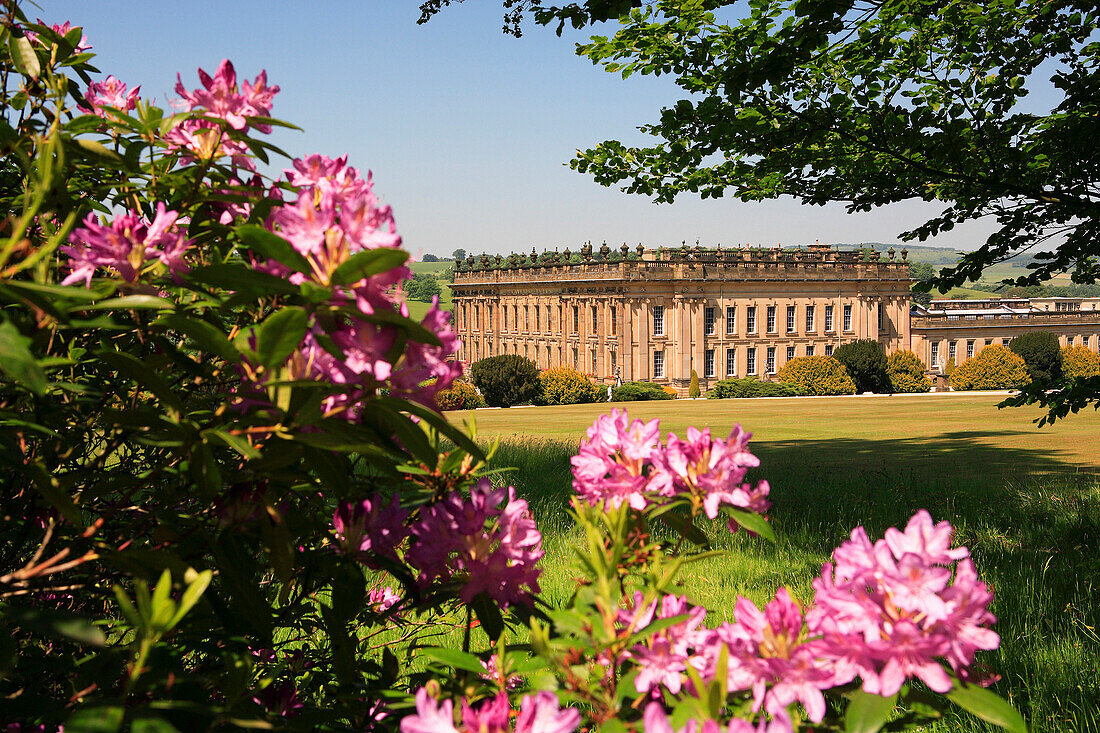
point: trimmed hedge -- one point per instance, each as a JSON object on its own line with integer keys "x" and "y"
{"x": 751, "y": 387}
{"x": 693, "y": 387}
{"x": 865, "y": 362}
{"x": 817, "y": 375}
{"x": 995, "y": 367}
{"x": 461, "y": 395}
{"x": 506, "y": 380}
{"x": 1080, "y": 362}
{"x": 906, "y": 373}
{"x": 566, "y": 386}
{"x": 640, "y": 391}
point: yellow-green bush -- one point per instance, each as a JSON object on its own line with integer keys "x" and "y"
{"x": 1078, "y": 361}
{"x": 906, "y": 372}
{"x": 817, "y": 375}
{"x": 461, "y": 395}
{"x": 565, "y": 386}
{"x": 995, "y": 367}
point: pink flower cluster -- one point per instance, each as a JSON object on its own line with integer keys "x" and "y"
{"x": 487, "y": 544}
{"x": 538, "y": 713}
{"x": 656, "y": 721}
{"x": 884, "y": 612}
{"x": 622, "y": 461}
{"x": 891, "y": 610}
{"x": 336, "y": 216}
{"x": 109, "y": 93}
{"x": 126, "y": 245}
{"x": 203, "y": 140}
{"x": 61, "y": 29}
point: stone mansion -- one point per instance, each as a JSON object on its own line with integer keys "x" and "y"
{"x": 657, "y": 315}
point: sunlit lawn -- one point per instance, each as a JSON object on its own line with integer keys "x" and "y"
{"x": 1025, "y": 500}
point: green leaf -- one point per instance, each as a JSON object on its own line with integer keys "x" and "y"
{"x": 95, "y": 720}
{"x": 455, "y": 658}
{"x": 95, "y": 148}
{"x": 987, "y": 705}
{"x": 280, "y": 334}
{"x": 55, "y": 623}
{"x": 152, "y": 725}
{"x": 17, "y": 361}
{"x": 488, "y": 614}
{"x": 368, "y": 262}
{"x": 206, "y": 337}
{"x": 241, "y": 279}
{"x": 271, "y": 246}
{"x": 752, "y": 522}
{"x": 133, "y": 368}
{"x": 867, "y": 713}
{"x": 128, "y": 302}
{"x": 235, "y": 442}
{"x": 191, "y": 596}
{"x": 23, "y": 56}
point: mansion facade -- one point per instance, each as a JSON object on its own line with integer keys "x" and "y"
{"x": 658, "y": 315}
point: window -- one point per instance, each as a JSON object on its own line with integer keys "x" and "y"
{"x": 1004, "y": 342}
{"x": 731, "y": 362}
{"x": 527, "y": 317}
{"x": 549, "y": 319}
{"x": 847, "y": 318}
{"x": 612, "y": 355}
{"x": 750, "y": 365}
{"x": 935, "y": 354}
{"x": 659, "y": 322}
{"x": 828, "y": 319}
{"x": 477, "y": 317}
{"x": 770, "y": 364}
{"x": 881, "y": 317}
{"x": 595, "y": 320}
{"x": 771, "y": 319}
{"x": 828, "y": 349}
{"x": 790, "y": 318}
{"x": 951, "y": 351}
{"x": 613, "y": 315}
{"x": 731, "y": 321}
{"x": 750, "y": 319}
{"x": 970, "y": 349}
{"x": 708, "y": 321}
{"x": 790, "y": 353}
{"x": 576, "y": 319}
{"x": 477, "y": 351}
{"x": 809, "y": 319}
{"x": 708, "y": 363}
{"x": 576, "y": 359}
{"x": 537, "y": 326}
{"x": 658, "y": 364}
{"x": 505, "y": 313}
{"x": 594, "y": 368}
{"x": 810, "y": 350}
{"x": 489, "y": 318}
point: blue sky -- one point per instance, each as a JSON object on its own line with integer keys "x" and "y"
{"x": 466, "y": 130}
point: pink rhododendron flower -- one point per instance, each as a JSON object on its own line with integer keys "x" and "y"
{"x": 487, "y": 543}
{"x": 109, "y": 93}
{"x": 656, "y": 721}
{"x": 61, "y": 29}
{"x": 203, "y": 141}
{"x": 494, "y": 673}
{"x": 279, "y": 698}
{"x": 431, "y": 716}
{"x": 614, "y": 462}
{"x": 126, "y": 245}
{"x": 712, "y": 471}
{"x": 892, "y": 610}
{"x": 664, "y": 657}
{"x": 538, "y": 713}
{"x": 220, "y": 97}
{"x": 382, "y": 599}
{"x": 490, "y": 717}
{"x": 370, "y": 527}
{"x": 244, "y": 193}
{"x": 769, "y": 655}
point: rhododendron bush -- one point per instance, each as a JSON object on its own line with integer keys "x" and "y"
{"x": 230, "y": 501}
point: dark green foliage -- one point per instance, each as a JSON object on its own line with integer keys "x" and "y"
{"x": 866, "y": 364}
{"x": 751, "y": 387}
{"x": 639, "y": 391}
{"x": 459, "y": 255}
{"x": 506, "y": 380}
{"x": 429, "y": 258}
{"x": 693, "y": 387}
{"x": 1041, "y": 353}
{"x": 422, "y": 287}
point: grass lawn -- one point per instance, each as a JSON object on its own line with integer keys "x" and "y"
{"x": 1026, "y": 501}
{"x": 432, "y": 268}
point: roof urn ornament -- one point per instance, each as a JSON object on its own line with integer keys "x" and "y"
{"x": 640, "y": 249}
{"x": 904, "y": 253}
{"x": 625, "y": 250}
{"x": 891, "y": 253}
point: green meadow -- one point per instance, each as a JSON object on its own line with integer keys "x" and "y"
{"x": 1025, "y": 500}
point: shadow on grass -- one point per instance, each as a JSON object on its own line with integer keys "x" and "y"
{"x": 1032, "y": 523}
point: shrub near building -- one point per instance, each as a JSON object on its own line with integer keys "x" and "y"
{"x": 506, "y": 380}
{"x": 640, "y": 391}
{"x": 565, "y": 386}
{"x": 906, "y": 373}
{"x": 865, "y": 363}
{"x": 461, "y": 395}
{"x": 817, "y": 375}
{"x": 995, "y": 367}
{"x": 751, "y": 387}
{"x": 1041, "y": 354}
{"x": 1079, "y": 362}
